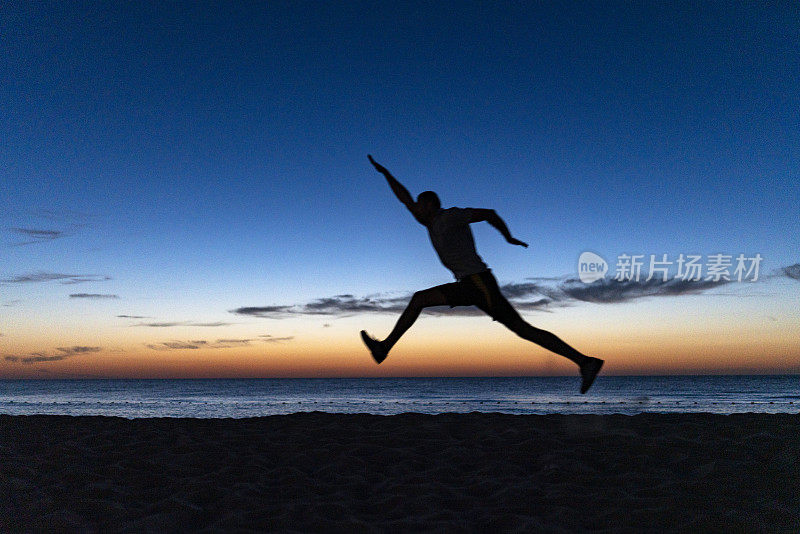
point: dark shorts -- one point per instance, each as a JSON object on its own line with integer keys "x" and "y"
{"x": 479, "y": 290}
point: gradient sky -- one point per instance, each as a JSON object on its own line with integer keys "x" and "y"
{"x": 165, "y": 164}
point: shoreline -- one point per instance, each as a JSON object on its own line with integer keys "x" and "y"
{"x": 316, "y": 471}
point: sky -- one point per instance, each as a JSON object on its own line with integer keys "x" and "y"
{"x": 186, "y": 192}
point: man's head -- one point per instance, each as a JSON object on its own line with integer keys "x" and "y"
{"x": 427, "y": 205}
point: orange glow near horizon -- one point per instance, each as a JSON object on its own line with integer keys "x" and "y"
{"x": 511, "y": 357}
{"x": 666, "y": 337}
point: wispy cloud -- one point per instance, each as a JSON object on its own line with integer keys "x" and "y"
{"x": 42, "y": 276}
{"x": 35, "y": 235}
{"x": 93, "y": 296}
{"x": 42, "y": 226}
{"x": 133, "y": 316}
{"x": 171, "y": 324}
{"x": 269, "y": 338}
{"x": 230, "y": 343}
{"x": 71, "y": 351}
{"x": 177, "y": 345}
{"x": 265, "y": 311}
{"x": 194, "y": 344}
{"x": 61, "y": 354}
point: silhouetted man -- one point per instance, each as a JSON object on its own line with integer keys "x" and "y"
{"x": 452, "y": 239}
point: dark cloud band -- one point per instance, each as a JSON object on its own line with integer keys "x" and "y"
{"x": 525, "y": 296}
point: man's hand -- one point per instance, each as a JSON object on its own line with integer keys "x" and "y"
{"x": 517, "y": 242}
{"x": 378, "y": 167}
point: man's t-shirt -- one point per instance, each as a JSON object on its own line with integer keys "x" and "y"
{"x": 452, "y": 239}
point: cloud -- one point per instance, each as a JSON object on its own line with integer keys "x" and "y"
{"x": 263, "y": 311}
{"x": 92, "y": 296}
{"x": 269, "y": 338}
{"x": 199, "y": 344}
{"x": 133, "y": 316}
{"x": 42, "y": 276}
{"x": 77, "y": 350}
{"x": 177, "y": 323}
{"x": 39, "y": 225}
{"x": 36, "y": 235}
{"x": 39, "y": 234}
{"x": 532, "y": 305}
{"x": 63, "y": 353}
{"x": 350, "y": 304}
{"x": 613, "y": 291}
{"x": 605, "y": 290}
{"x": 336, "y": 305}
{"x": 231, "y": 343}
{"x": 175, "y": 345}
{"x": 524, "y": 296}
{"x": 342, "y": 305}
{"x": 792, "y": 271}
{"x": 520, "y": 293}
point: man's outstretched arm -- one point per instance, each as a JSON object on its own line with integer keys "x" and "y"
{"x": 494, "y": 219}
{"x": 399, "y": 190}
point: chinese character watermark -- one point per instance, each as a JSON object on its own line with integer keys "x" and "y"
{"x": 686, "y": 267}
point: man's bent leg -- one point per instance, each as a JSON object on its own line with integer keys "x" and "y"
{"x": 433, "y": 296}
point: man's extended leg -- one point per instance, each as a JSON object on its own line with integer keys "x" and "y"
{"x": 433, "y": 296}
{"x": 545, "y": 339}
{"x": 511, "y": 319}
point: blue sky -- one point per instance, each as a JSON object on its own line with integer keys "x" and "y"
{"x": 198, "y": 157}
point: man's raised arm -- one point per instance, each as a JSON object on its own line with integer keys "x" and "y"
{"x": 399, "y": 190}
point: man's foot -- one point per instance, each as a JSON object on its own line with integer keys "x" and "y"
{"x": 375, "y": 347}
{"x": 589, "y": 371}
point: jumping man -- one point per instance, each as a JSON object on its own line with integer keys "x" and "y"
{"x": 452, "y": 239}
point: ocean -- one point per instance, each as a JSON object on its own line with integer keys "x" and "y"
{"x": 518, "y": 395}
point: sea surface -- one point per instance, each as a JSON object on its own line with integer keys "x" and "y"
{"x": 527, "y": 395}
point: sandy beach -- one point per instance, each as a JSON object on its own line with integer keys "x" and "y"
{"x": 454, "y": 472}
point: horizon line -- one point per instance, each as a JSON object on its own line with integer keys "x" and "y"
{"x": 796, "y": 373}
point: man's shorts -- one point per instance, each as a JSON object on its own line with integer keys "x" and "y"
{"x": 479, "y": 290}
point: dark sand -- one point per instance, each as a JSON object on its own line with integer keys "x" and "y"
{"x": 455, "y": 472}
